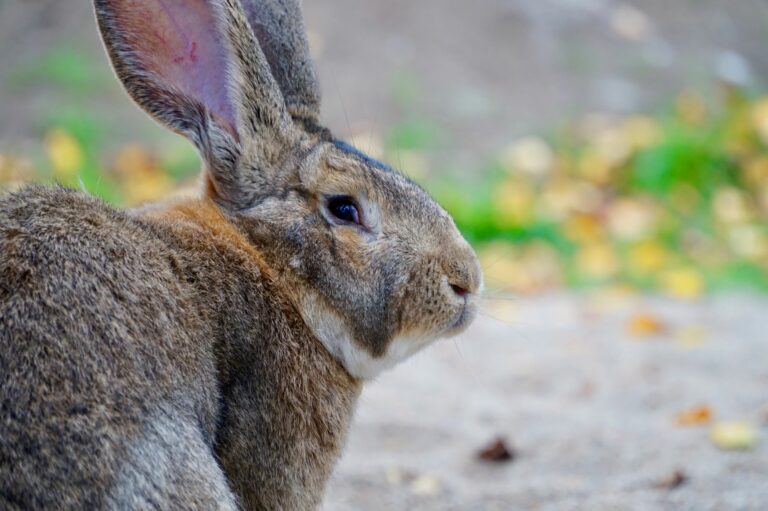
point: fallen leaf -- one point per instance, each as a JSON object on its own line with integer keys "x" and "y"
{"x": 733, "y": 435}
{"x": 695, "y": 416}
{"x": 530, "y": 155}
{"x": 597, "y": 260}
{"x": 641, "y": 132}
{"x": 760, "y": 119}
{"x": 514, "y": 202}
{"x": 647, "y": 257}
{"x": 64, "y": 153}
{"x": 631, "y": 219}
{"x": 497, "y": 451}
{"x": 684, "y": 283}
{"x": 646, "y": 325}
{"x": 583, "y": 229}
{"x": 425, "y": 485}
{"x": 731, "y": 206}
{"x": 674, "y": 480}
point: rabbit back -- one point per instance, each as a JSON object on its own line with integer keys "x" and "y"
{"x": 103, "y": 374}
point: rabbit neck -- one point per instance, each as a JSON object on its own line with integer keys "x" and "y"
{"x": 286, "y": 403}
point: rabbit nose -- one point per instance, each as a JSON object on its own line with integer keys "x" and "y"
{"x": 460, "y": 291}
{"x": 464, "y": 276}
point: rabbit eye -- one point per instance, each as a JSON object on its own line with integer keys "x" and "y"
{"x": 345, "y": 209}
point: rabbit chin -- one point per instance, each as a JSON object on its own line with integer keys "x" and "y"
{"x": 331, "y": 330}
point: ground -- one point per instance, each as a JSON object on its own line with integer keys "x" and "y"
{"x": 589, "y": 409}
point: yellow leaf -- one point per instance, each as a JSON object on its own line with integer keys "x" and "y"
{"x": 133, "y": 161}
{"x": 147, "y": 187}
{"x": 682, "y": 283}
{"x": 142, "y": 177}
{"x": 583, "y": 229}
{"x": 641, "y": 131}
{"x": 749, "y": 241}
{"x": 64, "y": 153}
{"x": 513, "y": 202}
{"x": 695, "y": 416}
{"x": 14, "y": 172}
{"x": 595, "y": 167}
{"x": 756, "y": 171}
{"x": 760, "y": 119}
{"x": 530, "y": 155}
{"x": 631, "y": 219}
{"x": 646, "y": 325}
{"x": 762, "y": 197}
{"x": 647, "y": 257}
{"x": 733, "y": 435}
{"x": 597, "y": 260}
{"x": 612, "y": 146}
{"x": 731, "y": 206}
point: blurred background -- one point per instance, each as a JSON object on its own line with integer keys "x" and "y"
{"x": 608, "y": 159}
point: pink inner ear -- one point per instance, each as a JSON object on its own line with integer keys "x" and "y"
{"x": 178, "y": 41}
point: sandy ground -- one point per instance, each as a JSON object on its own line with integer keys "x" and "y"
{"x": 588, "y": 408}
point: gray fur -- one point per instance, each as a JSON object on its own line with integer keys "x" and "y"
{"x": 279, "y": 26}
{"x": 208, "y": 352}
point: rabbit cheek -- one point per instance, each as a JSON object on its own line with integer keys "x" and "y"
{"x": 333, "y": 332}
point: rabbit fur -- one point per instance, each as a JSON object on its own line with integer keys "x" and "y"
{"x": 207, "y": 353}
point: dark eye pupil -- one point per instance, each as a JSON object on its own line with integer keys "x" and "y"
{"x": 344, "y": 209}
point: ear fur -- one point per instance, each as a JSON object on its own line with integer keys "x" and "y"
{"x": 279, "y": 27}
{"x": 197, "y": 68}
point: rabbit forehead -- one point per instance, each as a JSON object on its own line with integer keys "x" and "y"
{"x": 408, "y": 205}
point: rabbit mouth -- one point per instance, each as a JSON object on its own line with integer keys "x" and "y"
{"x": 464, "y": 317}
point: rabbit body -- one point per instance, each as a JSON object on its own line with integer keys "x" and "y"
{"x": 207, "y": 353}
{"x": 133, "y": 351}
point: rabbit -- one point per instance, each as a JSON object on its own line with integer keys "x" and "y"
{"x": 208, "y": 352}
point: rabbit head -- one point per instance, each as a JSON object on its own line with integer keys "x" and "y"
{"x": 375, "y": 266}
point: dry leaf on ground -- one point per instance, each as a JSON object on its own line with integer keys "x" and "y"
{"x": 497, "y": 451}
{"x": 695, "y": 416}
{"x": 733, "y": 435}
{"x": 674, "y": 480}
{"x": 646, "y": 325}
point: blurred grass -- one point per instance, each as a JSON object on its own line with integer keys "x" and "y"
{"x": 675, "y": 202}
{"x": 64, "y": 67}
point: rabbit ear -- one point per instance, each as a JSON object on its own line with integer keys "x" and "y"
{"x": 279, "y": 27}
{"x": 196, "y": 67}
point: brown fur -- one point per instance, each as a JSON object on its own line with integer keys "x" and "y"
{"x": 207, "y": 353}
{"x": 84, "y": 392}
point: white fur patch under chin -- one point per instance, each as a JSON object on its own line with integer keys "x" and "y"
{"x": 335, "y": 336}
